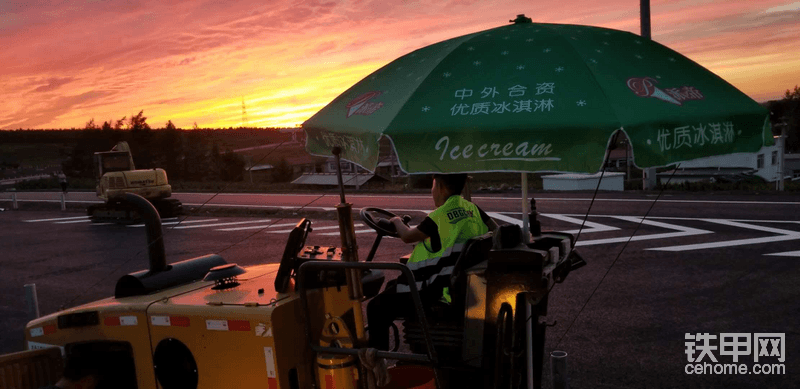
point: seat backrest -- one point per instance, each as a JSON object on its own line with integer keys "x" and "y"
{"x": 474, "y": 252}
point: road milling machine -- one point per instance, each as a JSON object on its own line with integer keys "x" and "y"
{"x": 116, "y": 175}
{"x": 206, "y": 323}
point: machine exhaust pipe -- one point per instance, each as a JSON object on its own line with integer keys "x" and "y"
{"x": 155, "y": 240}
{"x": 161, "y": 276}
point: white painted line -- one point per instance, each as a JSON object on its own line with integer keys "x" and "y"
{"x": 592, "y": 226}
{"x": 256, "y": 227}
{"x": 682, "y": 231}
{"x": 356, "y": 231}
{"x": 222, "y": 224}
{"x": 58, "y": 218}
{"x": 178, "y": 222}
{"x": 315, "y": 228}
{"x": 752, "y": 227}
{"x": 261, "y": 206}
{"x": 74, "y": 221}
{"x": 784, "y": 235}
{"x": 787, "y": 254}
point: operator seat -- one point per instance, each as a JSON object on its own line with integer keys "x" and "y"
{"x": 446, "y": 321}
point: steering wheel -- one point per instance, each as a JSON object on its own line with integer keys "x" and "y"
{"x": 378, "y": 219}
{"x": 289, "y": 262}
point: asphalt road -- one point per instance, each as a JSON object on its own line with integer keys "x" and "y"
{"x": 698, "y": 264}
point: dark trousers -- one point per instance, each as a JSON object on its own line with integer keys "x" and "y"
{"x": 385, "y": 308}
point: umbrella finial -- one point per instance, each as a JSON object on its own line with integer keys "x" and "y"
{"x": 521, "y": 19}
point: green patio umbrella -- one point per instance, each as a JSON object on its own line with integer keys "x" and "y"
{"x": 530, "y": 97}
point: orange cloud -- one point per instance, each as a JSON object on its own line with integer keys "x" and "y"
{"x": 195, "y": 61}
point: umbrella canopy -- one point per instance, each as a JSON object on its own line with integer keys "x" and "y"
{"x": 538, "y": 97}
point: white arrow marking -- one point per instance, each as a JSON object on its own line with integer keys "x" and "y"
{"x": 783, "y": 235}
{"x": 593, "y": 227}
{"x": 588, "y": 227}
{"x": 787, "y": 254}
{"x": 682, "y": 231}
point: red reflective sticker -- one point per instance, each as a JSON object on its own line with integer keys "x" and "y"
{"x": 238, "y": 325}
{"x": 111, "y": 321}
{"x": 179, "y": 321}
{"x": 51, "y": 329}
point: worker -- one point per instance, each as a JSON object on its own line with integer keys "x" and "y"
{"x": 80, "y": 372}
{"x": 440, "y": 238}
{"x": 62, "y": 180}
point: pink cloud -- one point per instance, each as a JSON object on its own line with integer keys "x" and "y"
{"x": 192, "y": 61}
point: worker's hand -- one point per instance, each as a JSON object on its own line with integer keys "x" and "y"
{"x": 396, "y": 220}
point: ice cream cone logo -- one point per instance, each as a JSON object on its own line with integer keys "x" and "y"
{"x": 362, "y": 106}
{"x": 646, "y": 87}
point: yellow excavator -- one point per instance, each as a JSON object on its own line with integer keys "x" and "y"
{"x": 299, "y": 323}
{"x": 116, "y": 176}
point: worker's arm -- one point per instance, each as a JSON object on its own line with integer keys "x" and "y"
{"x": 487, "y": 220}
{"x": 407, "y": 234}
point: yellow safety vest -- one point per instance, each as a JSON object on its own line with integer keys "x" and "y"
{"x": 457, "y": 220}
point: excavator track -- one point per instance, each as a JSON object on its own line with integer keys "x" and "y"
{"x": 168, "y": 207}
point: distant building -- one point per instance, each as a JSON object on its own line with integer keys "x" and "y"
{"x": 764, "y": 164}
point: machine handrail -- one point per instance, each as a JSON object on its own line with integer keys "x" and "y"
{"x": 409, "y": 357}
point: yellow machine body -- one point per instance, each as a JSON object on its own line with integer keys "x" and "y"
{"x": 247, "y": 336}
{"x": 116, "y": 176}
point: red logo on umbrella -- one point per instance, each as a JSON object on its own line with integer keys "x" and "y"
{"x": 362, "y": 106}
{"x": 646, "y": 87}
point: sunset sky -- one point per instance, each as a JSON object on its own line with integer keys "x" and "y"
{"x": 63, "y": 63}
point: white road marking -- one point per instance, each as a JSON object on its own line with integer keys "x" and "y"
{"x": 221, "y": 224}
{"x": 593, "y": 227}
{"x": 73, "y": 221}
{"x": 356, "y": 231}
{"x": 682, "y": 231}
{"x": 183, "y": 222}
{"x": 257, "y": 227}
{"x": 588, "y": 227}
{"x": 783, "y": 235}
{"x": 315, "y": 228}
{"x": 58, "y": 218}
{"x": 787, "y": 254}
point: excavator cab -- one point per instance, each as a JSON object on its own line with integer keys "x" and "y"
{"x": 112, "y": 161}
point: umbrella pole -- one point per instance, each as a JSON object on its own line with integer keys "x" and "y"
{"x": 525, "y": 210}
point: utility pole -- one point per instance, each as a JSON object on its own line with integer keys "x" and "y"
{"x": 644, "y": 10}
{"x": 648, "y": 174}
{"x": 781, "y": 155}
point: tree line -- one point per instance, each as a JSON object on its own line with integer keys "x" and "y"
{"x": 192, "y": 155}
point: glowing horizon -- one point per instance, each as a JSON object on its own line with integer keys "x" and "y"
{"x": 196, "y": 62}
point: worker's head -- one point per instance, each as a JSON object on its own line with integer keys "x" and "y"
{"x": 446, "y": 185}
